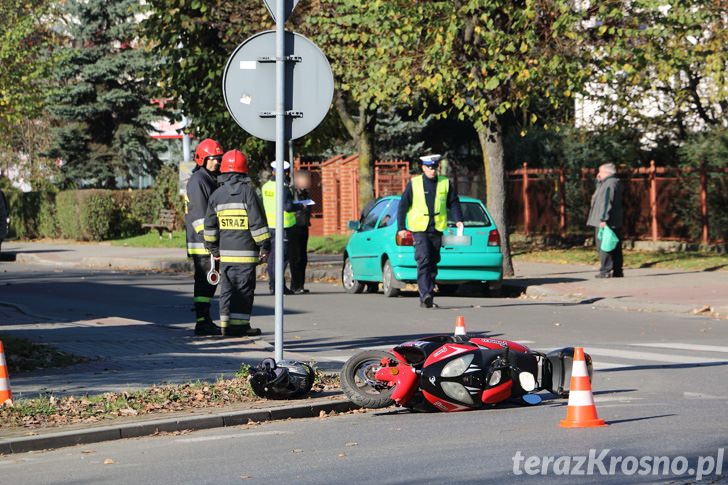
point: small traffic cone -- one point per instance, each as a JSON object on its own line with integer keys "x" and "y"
{"x": 581, "y": 411}
{"x": 5, "y": 393}
{"x": 460, "y": 326}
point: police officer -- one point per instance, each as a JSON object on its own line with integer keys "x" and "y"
{"x": 200, "y": 187}
{"x": 423, "y": 210}
{"x": 236, "y": 231}
{"x": 289, "y": 220}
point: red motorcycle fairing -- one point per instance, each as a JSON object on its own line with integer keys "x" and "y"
{"x": 402, "y": 376}
{"x": 499, "y": 393}
{"x": 498, "y": 344}
{"x": 444, "y": 405}
{"x": 447, "y": 351}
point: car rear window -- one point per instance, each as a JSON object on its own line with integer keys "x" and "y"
{"x": 473, "y": 215}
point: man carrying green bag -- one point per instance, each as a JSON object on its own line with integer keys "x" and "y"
{"x": 606, "y": 215}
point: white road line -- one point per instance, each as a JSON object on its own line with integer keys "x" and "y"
{"x": 599, "y": 365}
{"x": 332, "y": 358}
{"x": 230, "y": 436}
{"x": 700, "y": 395}
{"x": 682, "y": 346}
{"x": 651, "y": 356}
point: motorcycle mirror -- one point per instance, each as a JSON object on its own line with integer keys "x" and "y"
{"x": 531, "y": 399}
{"x": 528, "y": 382}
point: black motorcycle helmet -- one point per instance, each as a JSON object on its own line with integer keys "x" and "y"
{"x": 284, "y": 380}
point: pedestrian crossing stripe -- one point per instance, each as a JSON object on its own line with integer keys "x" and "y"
{"x": 681, "y": 346}
{"x": 651, "y": 356}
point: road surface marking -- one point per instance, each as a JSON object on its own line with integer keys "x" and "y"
{"x": 651, "y": 356}
{"x": 682, "y": 346}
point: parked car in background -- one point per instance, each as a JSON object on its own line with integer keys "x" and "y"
{"x": 375, "y": 254}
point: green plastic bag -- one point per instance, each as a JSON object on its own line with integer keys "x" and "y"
{"x": 608, "y": 238}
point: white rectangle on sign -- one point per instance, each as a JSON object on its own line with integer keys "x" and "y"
{"x": 248, "y": 64}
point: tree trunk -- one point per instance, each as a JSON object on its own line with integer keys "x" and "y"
{"x": 361, "y": 132}
{"x": 366, "y": 154}
{"x": 491, "y": 144}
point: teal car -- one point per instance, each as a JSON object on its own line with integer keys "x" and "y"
{"x": 375, "y": 254}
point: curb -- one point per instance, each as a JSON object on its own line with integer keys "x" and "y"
{"x": 314, "y": 271}
{"x": 147, "y": 428}
{"x": 605, "y": 302}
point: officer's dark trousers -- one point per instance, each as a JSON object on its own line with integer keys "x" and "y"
{"x": 204, "y": 291}
{"x": 427, "y": 255}
{"x": 298, "y": 255}
{"x": 612, "y": 260}
{"x": 237, "y": 290}
{"x": 271, "y": 270}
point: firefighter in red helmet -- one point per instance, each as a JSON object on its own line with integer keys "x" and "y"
{"x": 200, "y": 187}
{"x": 236, "y": 232}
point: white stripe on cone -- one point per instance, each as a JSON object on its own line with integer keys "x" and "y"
{"x": 580, "y": 398}
{"x": 578, "y": 369}
{"x": 4, "y": 385}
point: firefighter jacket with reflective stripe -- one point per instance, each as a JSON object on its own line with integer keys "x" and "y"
{"x": 200, "y": 187}
{"x": 269, "y": 201}
{"x": 235, "y": 224}
{"x": 418, "y": 217}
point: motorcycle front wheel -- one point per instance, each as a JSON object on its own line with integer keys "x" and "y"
{"x": 359, "y": 383}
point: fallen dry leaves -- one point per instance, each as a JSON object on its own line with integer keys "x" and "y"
{"x": 58, "y": 411}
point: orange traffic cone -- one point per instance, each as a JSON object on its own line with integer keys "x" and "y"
{"x": 581, "y": 411}
{"x": 460, "y": 326}
{"x": 5, "y": 393}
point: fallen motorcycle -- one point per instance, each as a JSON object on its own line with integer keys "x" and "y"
{"x": 456, "y": 373}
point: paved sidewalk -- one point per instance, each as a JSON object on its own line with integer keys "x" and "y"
{"x": 667, "y": 290}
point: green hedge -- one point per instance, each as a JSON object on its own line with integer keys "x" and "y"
{"x": 32, "y": 214}
{"x": 84, "y": 215}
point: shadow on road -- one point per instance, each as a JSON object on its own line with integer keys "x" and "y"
{"x": 644, "y": 418}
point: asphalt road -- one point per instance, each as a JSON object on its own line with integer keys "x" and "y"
{"x": 660, "y": 383}
{"x": 390, "y": 447}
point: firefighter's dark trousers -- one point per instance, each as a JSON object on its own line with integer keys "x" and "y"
{"x": 204, "y": 291}
{"x": 237, "y": 292}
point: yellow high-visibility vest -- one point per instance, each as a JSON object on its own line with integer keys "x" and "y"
{"x": 269, "y": 204}
{"x": 418, "y": 216}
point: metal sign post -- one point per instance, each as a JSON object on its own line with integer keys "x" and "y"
{"x": 303, "y": 89}
{"x": 280, "y": 172}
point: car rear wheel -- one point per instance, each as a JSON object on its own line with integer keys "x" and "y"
{"x": 389, "y": 281}
{"x": 347, "y": 279}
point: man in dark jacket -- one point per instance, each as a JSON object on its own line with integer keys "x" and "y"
{"x": 4, "y": 211}
{"x": 298, "y": 234}
{"x": 236, "y": 232}
{"x": 423, "y": 210}
{"x": 200, "y": 187}
{"x": 606, "y": 210}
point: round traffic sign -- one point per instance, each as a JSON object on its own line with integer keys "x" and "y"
{"x": 249, "y": 85}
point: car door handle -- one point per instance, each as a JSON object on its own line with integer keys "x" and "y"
{"x": 369, "y": 239}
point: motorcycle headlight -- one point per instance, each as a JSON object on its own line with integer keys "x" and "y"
{"x": 457, "y": 366}
{"x": 495, "y": 378}
{"x": 456, "y": 391}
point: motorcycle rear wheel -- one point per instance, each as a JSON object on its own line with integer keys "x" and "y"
{"x": 360, "y": 385}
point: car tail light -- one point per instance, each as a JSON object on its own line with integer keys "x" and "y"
{"x": 407, "y": 240}
{"x": 494, "y": 238}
